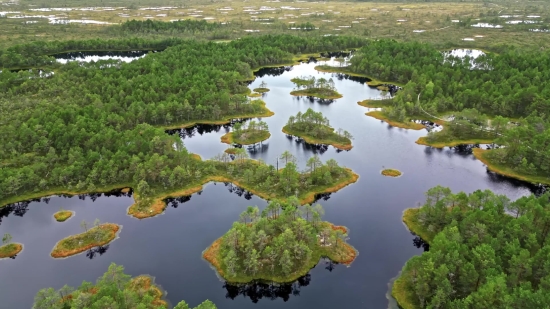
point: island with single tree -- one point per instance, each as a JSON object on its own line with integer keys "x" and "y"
{"x": 9, "y": 249}
{"x": 114, "y": 289}
{"x": 99, "y": 235}
{"x": 314, "y": 128}
{"x": 390, "y": 172}
{"x": 262, "y": 89}
{"x": 319, "y": 88}
{"x": 484, "y": 250}
{"x": 266, "y": 181}
{"x": 250, "y": 132}
{"x": 280, "y": 244}
{"x": 63, "y": 215}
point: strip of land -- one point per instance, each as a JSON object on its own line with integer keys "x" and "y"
{"x": 97, "y": 236}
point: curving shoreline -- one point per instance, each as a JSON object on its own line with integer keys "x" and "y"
{"x": 63, "y": 215}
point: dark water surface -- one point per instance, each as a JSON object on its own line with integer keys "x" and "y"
{"x": 169, "y": 246}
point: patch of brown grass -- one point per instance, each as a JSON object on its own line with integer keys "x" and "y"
{"x": 63, "y": 248}
{"x": 211, "y": 255}
{"x": 10, "y": 250}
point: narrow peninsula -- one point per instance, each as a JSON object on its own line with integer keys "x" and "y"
{"x": 281, "y": 244}
{"x": 63, "y": 215}
{"x": 98, "y": 235}
{"x": 254, "y": 176}
{"x": 312, "y": 87}
{"x": 314, "y": 128}
{"x": 248, "y": 133}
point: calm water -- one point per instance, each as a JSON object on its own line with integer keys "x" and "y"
{"x": 169, "y": 246}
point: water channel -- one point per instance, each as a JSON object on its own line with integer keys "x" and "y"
{"x": 169, "y": 246}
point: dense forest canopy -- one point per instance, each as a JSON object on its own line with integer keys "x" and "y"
{"x": 488, "y": 252}
{"x": 281, "y": 240}
{"x": 93, "y": 125}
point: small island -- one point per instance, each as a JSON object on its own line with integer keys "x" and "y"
{"x": 312, "y": 87}
{"x": 9, "y": 249}
{"x": 98, "y": 235}
{"x": 262, "y": 89}
{"x": 390, "y": 172}
{"x": 281, "y": 244}
{"x": 314, "y": 128}
{"x": 63, "y": 215}
{"x": 251, "y": 132}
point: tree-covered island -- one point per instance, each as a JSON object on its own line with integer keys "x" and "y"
{"x": 485, "y": 252}
{"x": 280, "y": 244}
{"x": 98, "y": 235}
{"x": 319, "y": 88}
{"x": 247, "y": 133}
{"x": 262, "y": 88}
{"x": 9, "y": 249}
{"x": 314, "y": 128}
{"x": 114, "y": 289}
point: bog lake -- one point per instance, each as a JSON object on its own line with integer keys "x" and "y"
{"x": 169, "y": 246}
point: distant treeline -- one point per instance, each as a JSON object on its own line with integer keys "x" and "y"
{"x": 154, "y": 26}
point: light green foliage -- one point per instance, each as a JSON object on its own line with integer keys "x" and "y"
{"x": 481, "y": 256}
{"x": 6, "y": 239}
{"x": 114, "y": 289}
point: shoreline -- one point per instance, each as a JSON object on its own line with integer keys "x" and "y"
{"x": 312, "y": 140}
{"x": 304, "y": 93}
{"x": 481, "y": 154}
{"x": 403, "y": 125}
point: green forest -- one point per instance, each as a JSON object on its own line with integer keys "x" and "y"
{"x": 315, "y": 128}
{"x": 114, "y": 289}
{"x": 91, "y": 127}
{"x": 512, "y": 84}
{"x": 281, "y": 243}
{"x": 485, "y": 252}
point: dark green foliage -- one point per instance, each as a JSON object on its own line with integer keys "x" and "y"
{"x": 488, "y": 253}
{"x": 154, "y": 26}
{"x": 114, "y": 289}
{"x": 91, "y": 126}
{"x": 512, "y": 83}
{"x": 279, "y": 241}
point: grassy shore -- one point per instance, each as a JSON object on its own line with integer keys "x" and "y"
{"x": 146, "y": 284}
{"x": 406, "y": 299}
{"x": 405, "y": 125}
{"x": 264, "y": 112}
{"x": 231, "y": 150}
{"x": 325, "y": 94}
{"x": 327, "y": 141}
{"x": 375, "y": 103}
{"x": 410, "y": 218}
{"x": 251, "y": 137}
{"x": 483, "y": 156}
{"x": 451, "y": 143}
{"x": 63, "y": 215}
{"x": 97, "y": 236}
{"x": 342, "y": 253}
{"x": 391, "y": 172}
{"x": 155, "y": 206}
{"x": 261, "y": 90}
{"x": 10, "y": 250}
{"x": 254, "y": 95}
